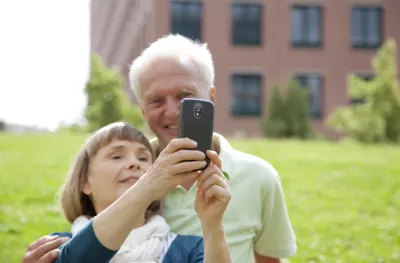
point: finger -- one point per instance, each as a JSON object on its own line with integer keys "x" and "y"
{"x": 186, "y": 155}
{"x": 178, "y": 144}
{"x": 41, "y": 241}
{"x": 47, "y": 247}
{"x": 185, "y": 167}
{"x": 50, "y": 257}
{"x": 184, "y": 178}
{"x": 211, "y": 180}
{"x": 217, "y": 192}
{"x": 210, "y": 170}
{"x": 214, "y": 158}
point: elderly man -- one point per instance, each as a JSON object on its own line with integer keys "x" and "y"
{"x": 256, "y": 222}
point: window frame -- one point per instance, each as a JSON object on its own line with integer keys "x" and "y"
{"x": 247, "y": 100}
{"x": 364, "y": 8}
{"x": 238, "y": 41}
{"x": 306, "y": 22}
{"x": 185, "y": 5}
{"x": 311, "y": 114}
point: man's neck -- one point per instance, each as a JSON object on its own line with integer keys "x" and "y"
{"x": 215, "y": 147}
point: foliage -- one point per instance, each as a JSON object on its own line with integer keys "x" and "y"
{"x": 104, "y": 95}
{"x": 288, "y": 116}
{"x": 3, "y": 126}
{"x": 377, "y": 119}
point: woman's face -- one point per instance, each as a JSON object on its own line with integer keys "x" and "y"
{"x": 115, "y": 168}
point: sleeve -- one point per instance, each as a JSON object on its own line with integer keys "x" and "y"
{"x": 276, "y": 237}
{"x": 84, "y": 247}
{"x": 197, "y": 255}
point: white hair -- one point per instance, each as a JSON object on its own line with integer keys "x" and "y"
{"x": 182, "y": 49}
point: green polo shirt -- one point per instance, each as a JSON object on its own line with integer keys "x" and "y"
{"x": 256, "y": 218}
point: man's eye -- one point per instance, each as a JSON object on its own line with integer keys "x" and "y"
{"x": 155, "y": 102}
{"x": 186, "y": 95}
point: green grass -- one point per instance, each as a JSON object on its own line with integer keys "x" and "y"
{"x": 343, "y": 198}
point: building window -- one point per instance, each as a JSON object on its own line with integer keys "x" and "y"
{"x": 186, "y": 19}
{"x": 246, "y": 95}
{"x": 366, "y": 27}
{"x": 246, "y": 24}
{"x": 306, "y": 26}
{"x": 313, "y": 84}
{"x": 365, "y": 77}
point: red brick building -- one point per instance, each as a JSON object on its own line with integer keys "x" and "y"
{"x": 256, "y": 44}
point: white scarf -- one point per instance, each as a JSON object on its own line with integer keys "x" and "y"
{"x": 146, "y": 244}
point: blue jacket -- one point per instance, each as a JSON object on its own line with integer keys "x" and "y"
{"x": 86, "y": 248}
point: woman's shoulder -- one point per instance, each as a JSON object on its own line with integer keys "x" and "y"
{"x": 186, "y": 248}
{"x": 188, "y": 239}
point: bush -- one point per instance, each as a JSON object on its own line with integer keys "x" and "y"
{"x": 106, "y": 102}
{"x": 288, "y": 117}
{"x": 3, "y": 126}
{"x": 377, "y": 119}
{"x": 133, "y": 115}
{"x": 274, "y": 125}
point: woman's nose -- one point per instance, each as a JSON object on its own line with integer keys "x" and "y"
{"x": 133, "y": 163}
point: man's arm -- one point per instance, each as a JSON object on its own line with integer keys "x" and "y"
{"x": 44, "y": 250}
{"x": 276, "y": 238}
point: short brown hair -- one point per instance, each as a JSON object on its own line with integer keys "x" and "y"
{"x": 74, "y": 202}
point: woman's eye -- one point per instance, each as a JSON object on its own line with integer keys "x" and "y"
{"x": 143, "y": 159}
{"x": 116, "y": 157}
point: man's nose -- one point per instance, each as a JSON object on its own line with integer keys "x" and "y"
{"x": 172, "y": 110}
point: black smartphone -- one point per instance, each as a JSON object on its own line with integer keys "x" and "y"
{"x": 196, "y": 122}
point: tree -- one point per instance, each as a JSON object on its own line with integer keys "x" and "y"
{"x": 3, "y": 126}
{"x": 104, "y": 95}
{"x": 273, "y": 124}
{"x": 297, "y": 111}
{"x": 377, "y": 119}
{"x": 287, "y": 116}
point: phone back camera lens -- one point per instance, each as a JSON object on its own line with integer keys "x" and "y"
{"x": 197, "y": 109}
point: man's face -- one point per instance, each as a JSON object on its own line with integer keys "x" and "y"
{"x": 163, "y": 86}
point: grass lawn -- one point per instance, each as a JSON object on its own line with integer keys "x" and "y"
{"x": 343, "y": 199}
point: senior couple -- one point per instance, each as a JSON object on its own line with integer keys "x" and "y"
{"x": 133, "y": 200}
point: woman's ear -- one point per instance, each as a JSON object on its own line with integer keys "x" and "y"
{"x": 87, "y": 189}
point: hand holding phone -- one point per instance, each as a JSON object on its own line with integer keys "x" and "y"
{"x": 196, "y": 122}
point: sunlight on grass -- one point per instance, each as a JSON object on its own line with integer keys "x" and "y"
{"x": 343, "y": 198}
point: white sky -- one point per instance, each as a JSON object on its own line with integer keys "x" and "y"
{"x": 44, "y": 60}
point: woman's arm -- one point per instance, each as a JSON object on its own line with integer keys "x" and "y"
{"x": 212, "y": 198}
{"x": 80, "y": 248}
{"x": 215, "y": 245}
{"x": 113, "y": 225}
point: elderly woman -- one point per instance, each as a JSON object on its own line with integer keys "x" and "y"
{"x": 112, "y": 198}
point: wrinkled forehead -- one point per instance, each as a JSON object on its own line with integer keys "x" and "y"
{"x": 168, "y": 77}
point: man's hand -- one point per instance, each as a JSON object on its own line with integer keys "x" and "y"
{"x": 44, "y": 250}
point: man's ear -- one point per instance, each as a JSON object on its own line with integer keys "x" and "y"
{"x": 142, "y": 111}
{"x": 213, "y": 94}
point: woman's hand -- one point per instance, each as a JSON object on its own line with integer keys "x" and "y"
{"x": 177, "y": 164}
{"x": 213, "y": 193}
